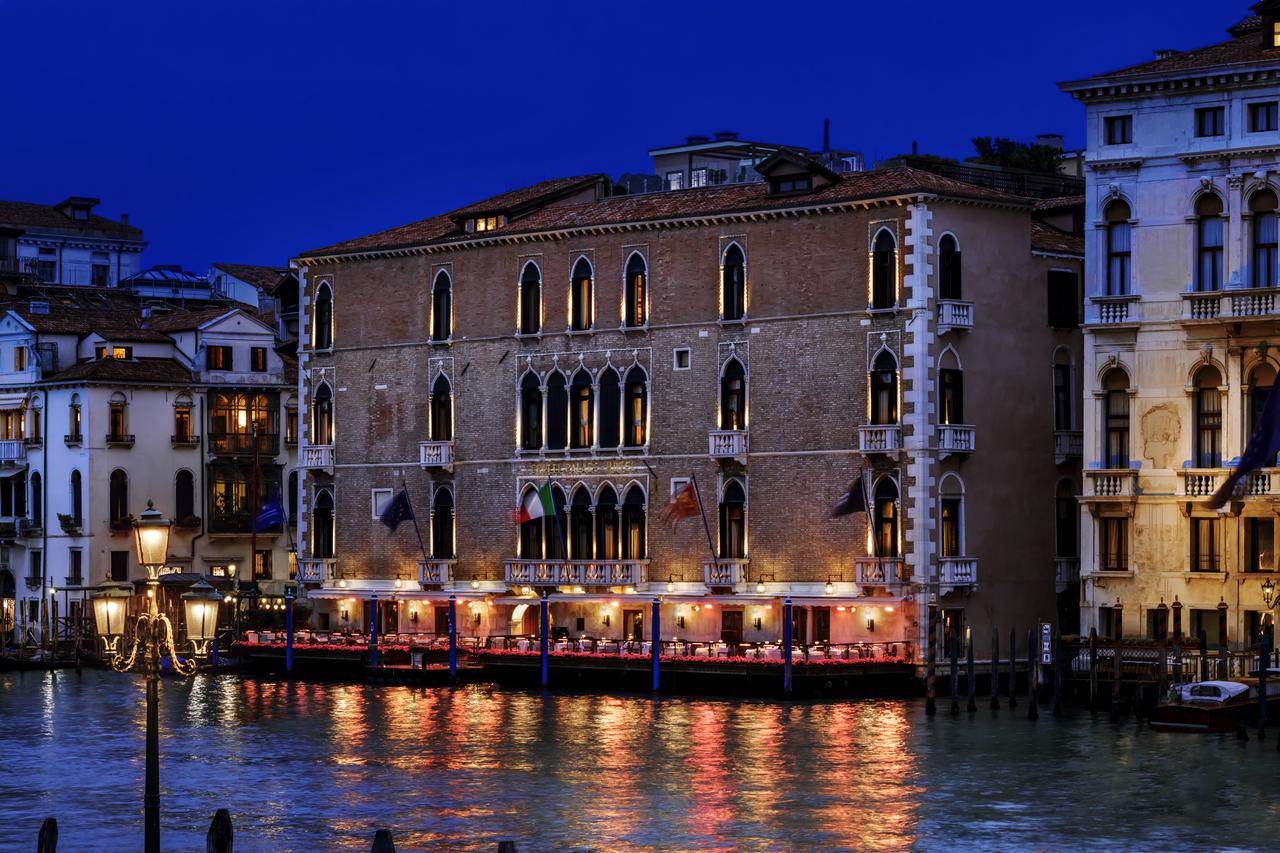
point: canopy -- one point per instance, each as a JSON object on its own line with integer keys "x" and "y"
{"x": 1210, "y": 691}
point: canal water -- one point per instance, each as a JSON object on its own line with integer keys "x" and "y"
{"x": 317, "y": 767}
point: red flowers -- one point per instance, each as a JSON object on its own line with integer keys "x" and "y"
{"x": 798, "y": 660}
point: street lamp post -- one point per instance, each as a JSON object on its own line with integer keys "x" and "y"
{"x": 151, "y": 639}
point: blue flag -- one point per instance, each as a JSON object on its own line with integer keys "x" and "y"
{"x": 397, "y": 511}
{"x": 270, "y": 515}
{"x": 1263, "y": 446}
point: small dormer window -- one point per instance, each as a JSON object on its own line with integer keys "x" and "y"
{"x": 486, "y": 223}
{"x": 1275, "y": 33}
{"x": 80, "y": 213}
{"x": 792, "y": 184}
{"x": 109, "y": 351}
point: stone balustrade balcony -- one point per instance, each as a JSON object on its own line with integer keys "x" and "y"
{"x": 879, "y": 438}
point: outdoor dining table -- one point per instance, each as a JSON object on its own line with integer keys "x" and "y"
{"x": 522, "y": 645}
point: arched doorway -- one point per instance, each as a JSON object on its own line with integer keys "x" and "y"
{"x": 7, "y": 602}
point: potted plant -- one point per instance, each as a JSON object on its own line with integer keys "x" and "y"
{"x": 122, "y": 525}
{"x": 69, "y": 524}
{"x": 190, "y": 522}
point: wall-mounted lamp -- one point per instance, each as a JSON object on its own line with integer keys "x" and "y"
{"x": 344, "y": 614}
{"x": 871, "y": 624}
{"x": 757, "y": 623}
{"x": 679, "y": 621}
{"x": 830, "y": 588}
{"x": 888, "y": 610}
{"x": 475, "y": 584}
{"x": 413, "y": 616}
{"x": 604, "y": 617}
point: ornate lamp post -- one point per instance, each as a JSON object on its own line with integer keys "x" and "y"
{"x": 153, "y": 636}
{"x": 1269, "y": 593}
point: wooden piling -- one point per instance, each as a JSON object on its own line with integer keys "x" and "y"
{"x": 1013, "y": 668}
{"x": 995, "y": 669}
{"x": 1057, "y": 672}
{"x": 1033, "y": 711}
{"x": 382, "y": 842}
{"x": 955, "y": 675}
{"x": 931, "y": 665}
{"x": 1162, "y": 669}
{"x": 48, "y": 840}
{"x": 1204, "y": 655}
{"x": 973, "y": 684}
{"x": 1093, "y": 670}
{"x": 1115, "y": 682}
{"x": 1264, "y": 654}
{"x": 221, "y": 835}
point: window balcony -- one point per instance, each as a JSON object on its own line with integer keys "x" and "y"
{"x": 726, "y": 572}
{"x": 241, "y": 443}
{"x": 1068, "y": 444}
{"x": 1200, "y": 482}
{"x": 435, "y": 454}
{"x": 435, "y": 572}
{"x": 957, "y": 572}
{"x": 881, "y": 438}
{"x": 1116, "y": 310}
{"x": 33, "y": 442}
{"x": 1264, "y": 483}
{"x": 955, "y": 439}
{"x": 1112, "y": 482}
{"x": 883, "y": 571}
{"x": 1253, "y": 303}
{"x": 1067, "y": 571}
{"x": 30, "y": 528}
{"x": 73, "y": 440}
{"x": 13, "y": 450}
{"x": 184, "y": 441}
{"x": 121, "y": 440}
{"x": 574, "y": 572}
{"x": 954, "y": 316}
{"x": 316, "y": 570}
{"x": 316, "y": 456}
{"x": 727, "y": 444}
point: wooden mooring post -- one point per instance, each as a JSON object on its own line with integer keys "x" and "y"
{"x": 995, "y": 669}
{"x": 1093, "y": 670}
{"x": 955, "y": 674}
{"x": 1115, "y": 681}
{"x": 1013, "y": 668}
{"x": 221, "y": 835}
{"x": 1264, "y": 656}
{"x": 48, "y": 840}
{"x": 1057, "y": 672}
{"x": 383, "y": 842}
{"x": 973, "y": 683}
{"x": 1033, "y": 711}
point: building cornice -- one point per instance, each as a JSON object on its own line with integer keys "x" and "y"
{"x": 1138, "y": 85}
{"x": 1230, "y": 154}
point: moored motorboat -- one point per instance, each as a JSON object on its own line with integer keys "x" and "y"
{"x": 1212, "y": 706}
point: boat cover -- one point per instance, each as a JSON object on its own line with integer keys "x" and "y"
{"x": 1209, "y": 691}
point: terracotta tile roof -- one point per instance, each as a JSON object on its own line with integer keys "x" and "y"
{"x": 707, "y": 201}
{"x": 1250, "y": 48}
{"x": 516, "y": 199}
{"x": 117, "y": 370}
{"x": 1055, "y": 241}
{"x": 263, "y": 278}
{"x": 181, "y": 321}
{"x": 1062, "y": 202}
{"x": 30, "y": 216}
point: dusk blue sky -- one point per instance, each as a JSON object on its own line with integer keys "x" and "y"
{"x": 251, "y": 131}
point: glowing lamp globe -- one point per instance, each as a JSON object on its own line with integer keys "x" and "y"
{"x": 110, "y": 608}
{"x": 152, "y": 534}
{"x": 200, "y": 604}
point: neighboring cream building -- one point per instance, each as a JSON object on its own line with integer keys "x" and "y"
{"x": 1182, "y": 328}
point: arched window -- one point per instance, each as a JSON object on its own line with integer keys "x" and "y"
{"x": 183, "y": 432}
{"x": 557, "y": 412}
{"x": 1209, "y": 243}
{"x": 442, "y": 307}
{"x": 530, "y": 299}
{"x": 950, "y": 390}
{"x": 637, "y": 408}
{"x": 948, "y": 268}
{"x": 37, "y": 420}
{"x": 886, "y": 518}
{"x": 582, "y": 403}
{"x": 530, "y": 412}
{"x": 610, "y": 409}
{"x": 1116, "y": 419}
{"x": 118, "y": 423}
{"x": 322, "y": 331}
{"x": 555, "y": 528}
{"x": 1063, "y": 398}
{"x": 884, "y": 285}
{"x": 74, "y": 423}
{"x": 322, "y": 416}
{"x": 1266, "y": 236}
{"x": 951, "y": 517}
{"x": 733, "y": 284}
{"x": 292, "y": 508}
{"x": 607, "y": 524}
{"x": 580, "y": 312}
{"x": 441, "y": 410}
{"x": 884, "y": 390}
{"x": 580, "y": 526}
{"x": 442, "y": 547}
{"x": 1119, "y": 246}
{"x": 77, "y": 499}
{"x": 733, "y": 396}
{"x": 184, "y": 497}
{"x": 635, "y": 292}
{"x": 1260, "y": 380}
{"x": 530, "y": 531}
{"x": 322, "y": 525}
{"x": 37, "y": 498}
{"x": 1067, "y": 533}
{"x": 1208, "y": 405}
{"x": 733, "y": 522}
{"x": 118, "y": 496}
{"x": 633, "y": 539}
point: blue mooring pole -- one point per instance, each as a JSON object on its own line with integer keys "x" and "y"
{"x": 453, "y": 638}
{"x": 288, "y": 632}
{"x": 786, "y": 646}
{"x": 655, "y": 647}
{"x": 373, "y": 633}
{"x": 544, "y": 624}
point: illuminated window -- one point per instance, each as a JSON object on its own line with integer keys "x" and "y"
{"x": 485, "y": 223}
{"x": 19, "y": 358}
{"x": 118, "y": 421}
{"x": 258, "y": 359}
{"x": 951, "y": 393}
{"x": 322, "y": 416}
{"x": 636, "y": 399}
{"x": 884, "y": 390}
{"x": 675, "y": 180}
{"x": 291, "y": 425}
{"x": 885, "y": 512}
{"x": 102, "y": 352}
{"x": 610, "y": 402}
{"x": 182, "y": 431}
{"x": 218, "y": 358}
{"x": 733, "y": 396}
{"x": 582, "y": 400}
{"x": 441, "y": 411}
{"x": 733, "y": 521}
{"x": 580, "y": 309}
{"x": 73, "y": 418}
{"x": 1259, "y": 545}
{"x": 1204, "y": 544}
{"x": 634, "y": 293}
{"x": 698, "y": 178}
{"x": 1275, "y": 34}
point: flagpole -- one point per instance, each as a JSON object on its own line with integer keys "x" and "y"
{"x": 413, "y": 516}
{"x": 555, "y": 518}
{"x": 705, "y": 526}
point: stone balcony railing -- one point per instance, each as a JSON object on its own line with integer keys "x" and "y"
{"x": 435, "y": 454}
{"x": 727, "y": 443}
{"x": 954, "y": 315}
{"x": 1200, "y": 482}
{"x": 1263, "y": 483}
{"x": 575, "y": 572}
{"x": 956, "y": 572}
{"x": 1068, "y": 444}
{"x": 1239, "y": 304}
{"x": 956, "y": 439}
{"x": 883, "y": 571}
{"x": 316, "y": 456}
{"x": 1067, "y": 572}
{"x": 725, "y": 572}
{"x": 317, "y": 569}
{"x": 884, "y": 438}
{"x": 1112, "y": 482}
{"x": 13, "y": 450}
{"x": 435, "y": 572}
{"x": 1116, "y": 310}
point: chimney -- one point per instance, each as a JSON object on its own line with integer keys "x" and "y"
{"x": 1166, "y": 53}
{"x": 1050, "y": 140}
{"x": 124, "y": 219}
{"x": 726, "y": 135}
{"x": 826, "y": 135}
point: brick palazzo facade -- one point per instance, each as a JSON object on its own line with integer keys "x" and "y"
{"x": 772, "y": 339}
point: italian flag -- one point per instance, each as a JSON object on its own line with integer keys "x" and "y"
{"x": 536, "y": 505}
